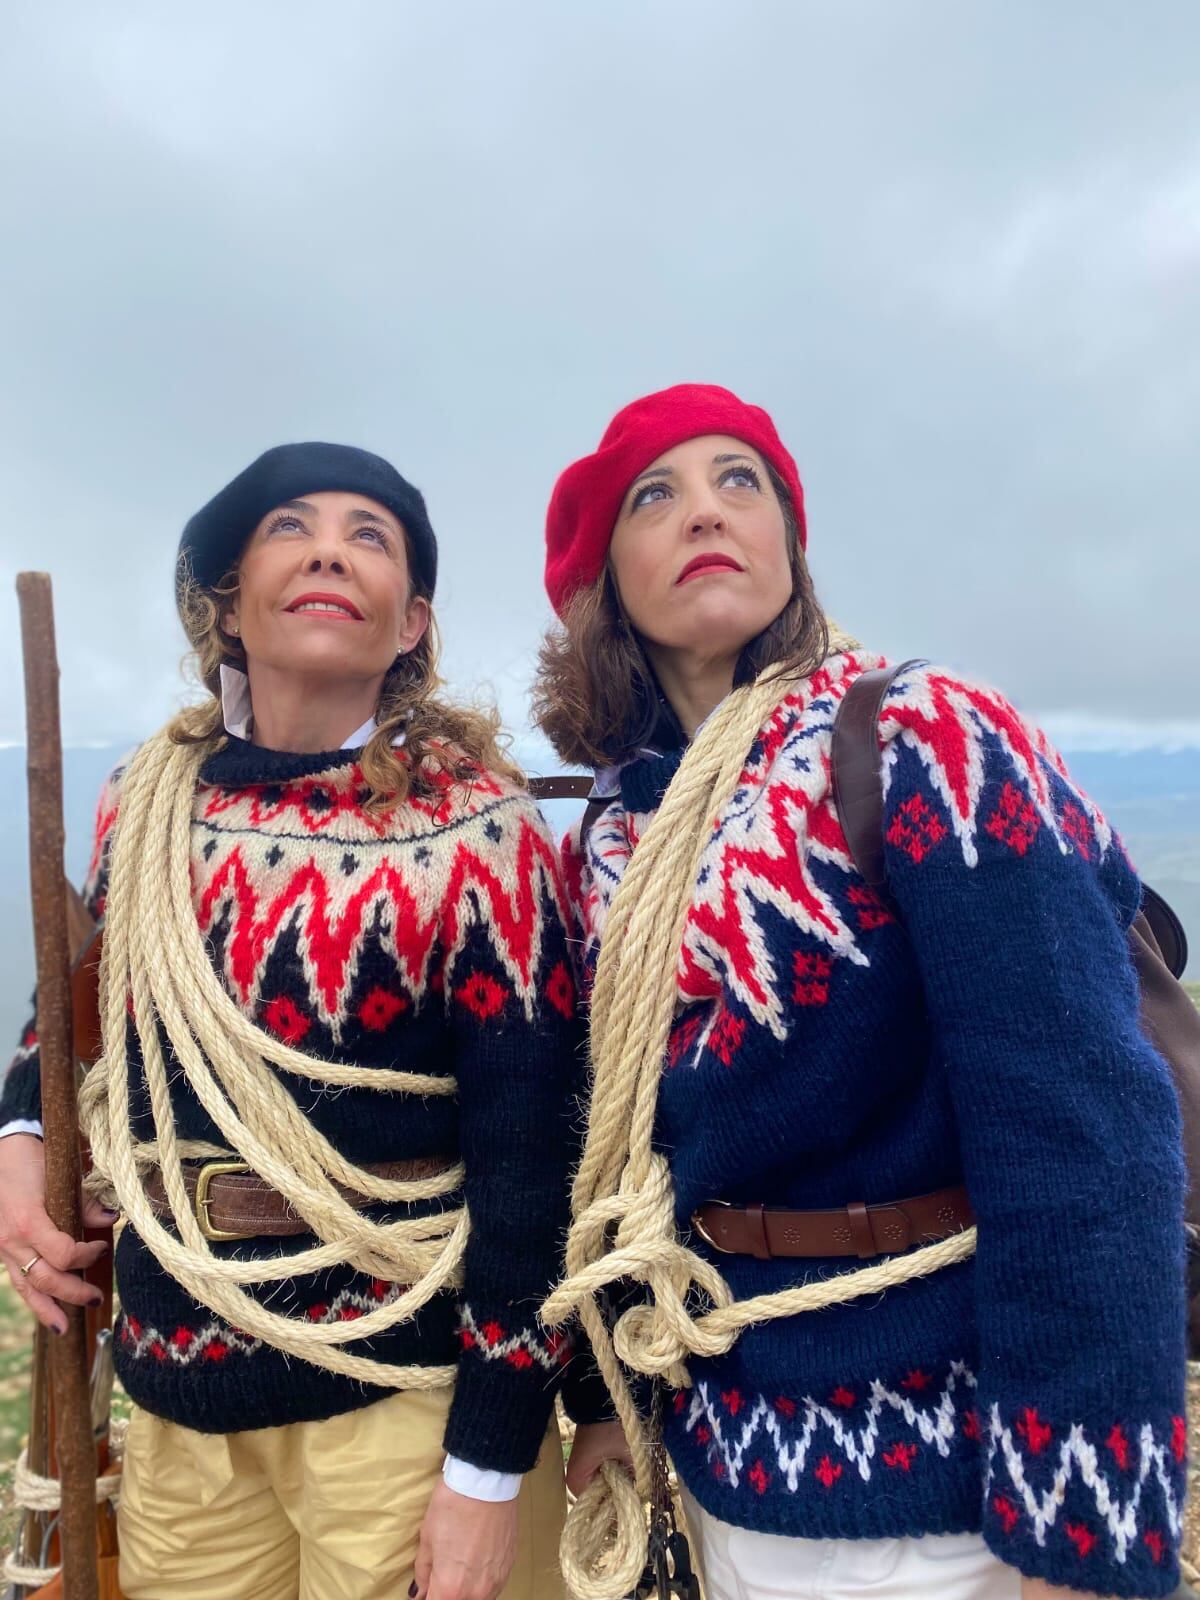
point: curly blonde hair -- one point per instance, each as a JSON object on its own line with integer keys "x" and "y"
{"x": 441, "y": 741}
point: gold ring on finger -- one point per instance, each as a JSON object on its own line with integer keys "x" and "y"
{"x": 31, "y": 1263}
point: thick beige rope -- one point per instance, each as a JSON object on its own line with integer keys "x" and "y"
{"x": 154, "y": 952}
{"x": 623, "y": 1199}
{"x": 32, "y": 1492}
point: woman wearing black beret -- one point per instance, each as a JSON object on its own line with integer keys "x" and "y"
{"x": 339, "y": 1022}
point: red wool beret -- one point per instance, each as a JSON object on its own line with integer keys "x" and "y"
{"x": 587, "y": 497}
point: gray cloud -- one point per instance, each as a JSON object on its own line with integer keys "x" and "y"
{"x": 953, "y": 249}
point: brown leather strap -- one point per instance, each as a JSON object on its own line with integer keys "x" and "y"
{"x": 573, "y": 789}
{"x": 243, "y": 1205}
{"x": 855, "y": 1229}
{"x": 857, "y": 763}
{"x": 1157, "y": 941}
{"x": 561, "y": 787}
{"x": 1165, "y": 930}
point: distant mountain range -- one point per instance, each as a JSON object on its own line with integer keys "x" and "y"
{"x": 1151, "y": 796}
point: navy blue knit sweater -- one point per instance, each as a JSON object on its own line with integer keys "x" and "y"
{"x": 434, "y": 938}
{"x": 822, "y": 1054}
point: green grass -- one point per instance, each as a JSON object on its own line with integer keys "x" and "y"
{"x": 16, "y": 1341}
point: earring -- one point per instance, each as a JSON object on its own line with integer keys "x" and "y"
{"x": 233, "y": 628}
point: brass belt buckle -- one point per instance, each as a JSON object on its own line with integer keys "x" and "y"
{"x": 200, "y": 1205}
{"x": 703, "y": 1231}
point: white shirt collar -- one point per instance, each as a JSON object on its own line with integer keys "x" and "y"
{"x": 238, "y": 713}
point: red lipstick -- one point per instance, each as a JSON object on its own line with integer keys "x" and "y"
{"x": 708, "y": 561}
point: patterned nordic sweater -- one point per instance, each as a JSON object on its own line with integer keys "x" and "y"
{"x": 822, "y": 1054}
{"x": 435, "y": 939}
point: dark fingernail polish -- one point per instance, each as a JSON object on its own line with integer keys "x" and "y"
{"x": 412, "y": 1591}
{"x": 59, "y": 1331}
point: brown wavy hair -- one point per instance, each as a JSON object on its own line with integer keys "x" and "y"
{"x": 596, "y": 697}
{"x": 442, "y": 741}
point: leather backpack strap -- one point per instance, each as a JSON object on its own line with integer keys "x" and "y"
{"x": 1157, "y": 942}
{"x": 560, "y": 787}
{"x": 857, "y": 770}
{"x": 1165, "y": 930}
{"x": 572, "y": 788}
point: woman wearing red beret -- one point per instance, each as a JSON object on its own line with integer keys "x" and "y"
{"x": 943, "y": 1082}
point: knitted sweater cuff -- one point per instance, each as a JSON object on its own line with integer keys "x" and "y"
{"x": 498, "y": 1423}
{"x": 21, "y": 1098}
{"x": 1097, "y": 1508}
{"x": 507, "y": 1378}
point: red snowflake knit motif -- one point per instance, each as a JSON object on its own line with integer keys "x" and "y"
{"x": 286, "y": 1020}
{"x": 1077, "y": 828}
{"x": 812, "y": 978}
{"x": 1082, "y": 1537}
{"x": 1014, "y": 822}
{"x": 1006, "y": 1511}
{"x": 916, "y": 828}
{"x": 1033, "y": 1430}
{"x": 727, "y": 1036}
{"x": 560, "y": 990}
{"x": 872, "y": 913}
{"x": 380, "y": 1009}
{"x": 482, "y": 995}
{"x": 683, "y": 1037}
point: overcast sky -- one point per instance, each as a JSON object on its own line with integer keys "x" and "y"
{"x": 954, "y": 248}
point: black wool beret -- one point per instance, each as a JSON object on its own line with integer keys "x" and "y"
{"x": 216, "y": 536}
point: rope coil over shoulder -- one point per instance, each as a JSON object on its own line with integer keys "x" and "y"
{"x": 623, "y": 1199}
{"x": 155, "y": 953}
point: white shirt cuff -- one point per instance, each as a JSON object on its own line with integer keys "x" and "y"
{"x": 479, "y": 1483}
{"x": 21, "y": 1125}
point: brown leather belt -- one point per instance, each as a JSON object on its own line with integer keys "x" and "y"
{"x": 853, "y": 1230}
{"x": 232, "y": 1202}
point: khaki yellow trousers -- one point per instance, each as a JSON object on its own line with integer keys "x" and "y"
{"x": 310, "y": 1511}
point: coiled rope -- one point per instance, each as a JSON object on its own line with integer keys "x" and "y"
{"x": 155, "y": 953}
{"x": 31, "y": 1492}
{"x": 623, "y": 1223}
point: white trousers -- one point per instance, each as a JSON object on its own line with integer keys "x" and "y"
{"x": 735, "y": 1564}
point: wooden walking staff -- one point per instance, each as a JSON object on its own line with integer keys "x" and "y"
{"x": 60, "y": 1117}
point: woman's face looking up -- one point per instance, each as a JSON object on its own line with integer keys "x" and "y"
{"x": 324, "y": 589}
{"x": 699, "y": 552}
